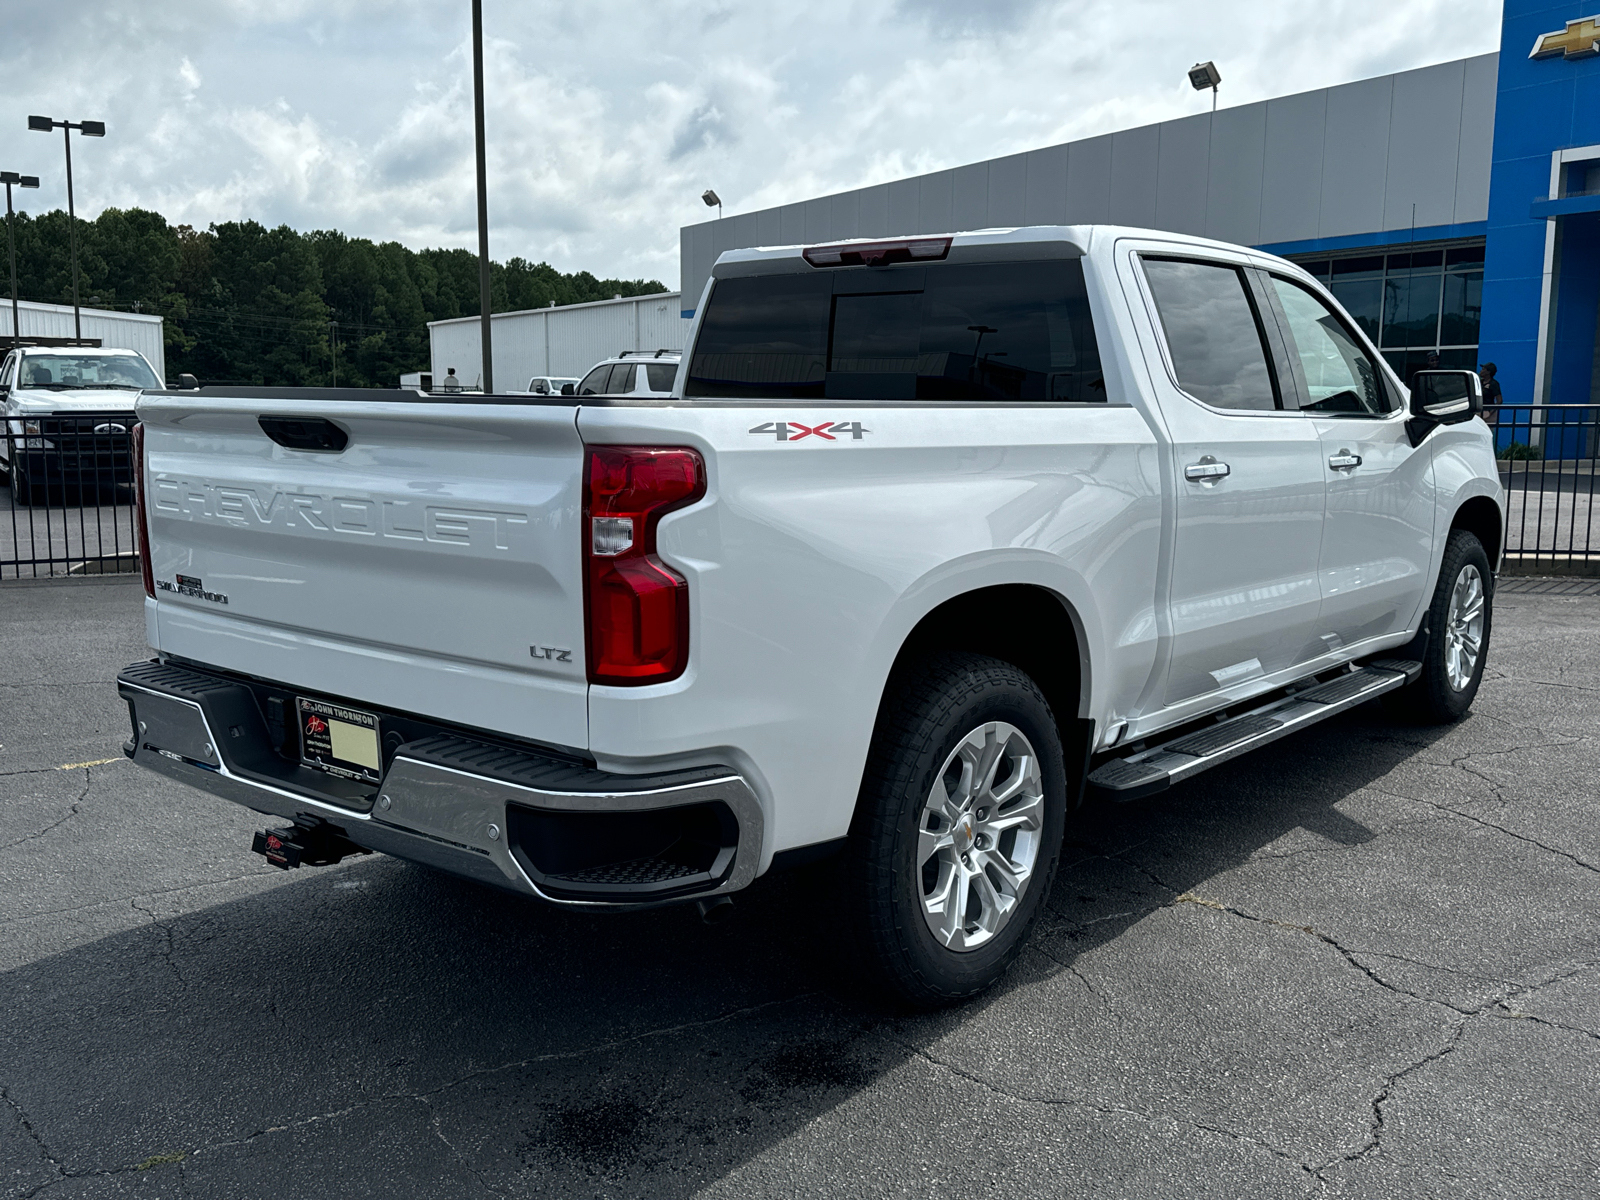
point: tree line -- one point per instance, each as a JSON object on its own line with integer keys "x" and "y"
{"x": 245, "y": 304}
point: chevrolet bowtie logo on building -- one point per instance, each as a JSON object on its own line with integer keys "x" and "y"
{"x": 1580, "y": 39}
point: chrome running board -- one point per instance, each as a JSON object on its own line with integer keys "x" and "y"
{"x": 1159, "y": 767}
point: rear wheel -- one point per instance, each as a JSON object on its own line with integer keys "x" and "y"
{"x": 958, "y": 828}
{"x": 1456, "y": 644}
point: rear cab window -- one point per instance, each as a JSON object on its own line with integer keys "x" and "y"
{"x": 1011, "y": 331}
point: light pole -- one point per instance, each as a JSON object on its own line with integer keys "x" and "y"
{"x": 88, "y": 129}
{"x": 28, "y": 181}
{"x": 484, "y": 309}
{"x": 711, "y": 198}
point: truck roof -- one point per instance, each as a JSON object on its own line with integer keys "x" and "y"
{"x": 978, "y": 245}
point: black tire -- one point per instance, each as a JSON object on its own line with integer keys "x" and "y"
{"x": 930, "y": 711}
{"x": 1433, "y": 699}
{"x": 24, "y": 492}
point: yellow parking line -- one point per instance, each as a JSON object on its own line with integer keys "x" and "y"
{"x": 99, "y": 762}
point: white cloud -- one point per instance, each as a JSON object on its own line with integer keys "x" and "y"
{"x": 607, "y": 120}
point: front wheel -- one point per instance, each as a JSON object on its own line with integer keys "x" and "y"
{"x": 1456, "y": 645}
{"x": 958, "y": 827}
{"x": 24, "y": 492}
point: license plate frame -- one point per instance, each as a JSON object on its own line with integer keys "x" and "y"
{"x": 340, "y": 740}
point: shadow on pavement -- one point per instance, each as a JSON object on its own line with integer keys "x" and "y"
{"x": 379, "y": 1029}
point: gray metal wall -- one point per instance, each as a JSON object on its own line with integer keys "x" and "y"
{"x": 1342, "y": 161}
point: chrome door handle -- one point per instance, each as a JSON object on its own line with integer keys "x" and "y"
{"x": 1344, "y": 461}
{"x": 1206, "y": 468}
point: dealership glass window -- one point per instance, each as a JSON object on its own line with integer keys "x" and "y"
{"x": 1412, "y": 302}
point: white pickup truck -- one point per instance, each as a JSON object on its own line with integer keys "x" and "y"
{"x": 932, "y": 537}
{"x": 68, "y": 415}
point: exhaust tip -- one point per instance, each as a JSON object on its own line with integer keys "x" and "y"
{"x": 715, "y": 910}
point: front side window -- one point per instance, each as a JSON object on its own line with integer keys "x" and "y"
{"x": 594, "y": 383}
{"x": 965, "y": 331}
{"x": 1339, "y": 376}
{"x": 1212, "y": 334}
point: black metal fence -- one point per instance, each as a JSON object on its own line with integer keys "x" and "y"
{"x": 68, "y": 507}
{"x": 1548, "y": 458}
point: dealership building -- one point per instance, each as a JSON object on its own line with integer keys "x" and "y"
{"x": 1451, "y": 209}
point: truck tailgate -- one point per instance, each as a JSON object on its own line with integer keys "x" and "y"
{"x": 431, "y": 566}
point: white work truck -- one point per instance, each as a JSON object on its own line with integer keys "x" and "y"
{"x": 68, "y": 414}
{"x": 932, "y": 538}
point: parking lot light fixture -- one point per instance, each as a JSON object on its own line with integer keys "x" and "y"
{"x": 1205, "y": 75}
{"x": 88, "y": 129}
{"x": 12, "y": 179}
{"x": 712, "y": 199}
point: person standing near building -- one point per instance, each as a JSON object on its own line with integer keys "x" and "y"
{"x": 1491, "y": 394}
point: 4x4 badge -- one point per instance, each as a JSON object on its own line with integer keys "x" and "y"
{"x": 793, "y": 431}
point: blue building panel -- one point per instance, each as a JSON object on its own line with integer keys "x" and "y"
{"x": 1541, "y": 268}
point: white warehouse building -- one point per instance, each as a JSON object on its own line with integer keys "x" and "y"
{"x": 113, "y": 330}
{"x": 563, "y": 341}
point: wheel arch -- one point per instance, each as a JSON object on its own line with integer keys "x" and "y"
{"x": 1024, "y": 624}
{"x": 1482, "y": 517}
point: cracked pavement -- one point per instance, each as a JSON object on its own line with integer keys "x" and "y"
{"x": 1363, "y": 962}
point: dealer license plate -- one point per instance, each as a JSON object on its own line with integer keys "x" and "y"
{"x": 338, "y": 740}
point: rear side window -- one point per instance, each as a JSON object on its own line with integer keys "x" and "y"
{"x": 661, "y": 375}
{"x": 980, "y": 331}
{"x": 1212, "y": 333}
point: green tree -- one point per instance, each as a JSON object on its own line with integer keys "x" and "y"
{"x": 247, "y": 304}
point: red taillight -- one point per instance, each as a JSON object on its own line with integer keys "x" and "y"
{"x": 137, "y": 463}
{"x": 637, "y": 616}
{"x": 877, "y": 254}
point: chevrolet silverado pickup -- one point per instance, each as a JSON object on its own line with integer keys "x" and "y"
{"x": 932, "y": 538}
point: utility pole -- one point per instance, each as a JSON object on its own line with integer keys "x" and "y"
{"x": 333, "y": 344}
{"x": 484, "y": 302}
{"x": 88, "y": 129}
{"x": 28, "y": 181}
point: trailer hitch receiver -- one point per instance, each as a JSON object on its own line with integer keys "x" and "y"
{"x": 319, "y": 845}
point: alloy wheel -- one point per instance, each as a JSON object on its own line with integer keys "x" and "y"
{"x": 978, "y": 838}
{"x": 1463, "y": 632}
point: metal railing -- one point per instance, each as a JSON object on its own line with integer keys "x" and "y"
{"x": 68, "y": 507}
{"x": 1548, "y": 460}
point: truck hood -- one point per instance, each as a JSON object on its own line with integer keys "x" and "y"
{"x": 44, "y": 401}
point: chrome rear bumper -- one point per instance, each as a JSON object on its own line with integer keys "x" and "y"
{"x": 500, "y": 815}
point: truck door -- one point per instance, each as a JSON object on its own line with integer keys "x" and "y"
{"x": 1378, "y": 534}
{"x": 1249, "y": 478}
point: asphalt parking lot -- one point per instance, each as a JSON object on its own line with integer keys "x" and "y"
{"x": 1363, "y": 963}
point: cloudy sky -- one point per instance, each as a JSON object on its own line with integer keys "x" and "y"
{"x": 608, "y": 118}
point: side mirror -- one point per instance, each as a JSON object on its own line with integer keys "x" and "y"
{"x": 188, "y": 383}
{"x": 568, "y": 389}
{"x": 1442, "y": 398}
